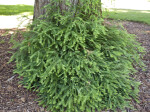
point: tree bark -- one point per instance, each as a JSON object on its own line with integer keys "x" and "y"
{"x": 38, "y": 8}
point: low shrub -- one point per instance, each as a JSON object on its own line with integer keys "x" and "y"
{"x": 76, "y": 64}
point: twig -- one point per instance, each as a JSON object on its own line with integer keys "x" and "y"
{"x": 10, "y": 79}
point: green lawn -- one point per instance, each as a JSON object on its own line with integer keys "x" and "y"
{"x": 119, "y": 14}
{"x": 132, "y": 15}
{"x": 16, "y": 9}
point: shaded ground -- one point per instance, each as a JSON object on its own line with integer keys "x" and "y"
{"x": 14, "y": 98}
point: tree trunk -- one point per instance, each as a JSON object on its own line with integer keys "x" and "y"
{"x": 38, "y": 8}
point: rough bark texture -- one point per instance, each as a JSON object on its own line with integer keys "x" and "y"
{"x": 38, "y": 8}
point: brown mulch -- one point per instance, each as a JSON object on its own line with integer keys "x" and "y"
{"x": 15, "y": 98}
{"x": 143, "y": 33}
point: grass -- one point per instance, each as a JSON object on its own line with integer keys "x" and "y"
{"x": 16, "y": 9}
{"x": 118, "y": 14}
{"x": 131, "y": 15}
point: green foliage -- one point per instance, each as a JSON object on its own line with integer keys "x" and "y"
{"x": 75, "y": 63}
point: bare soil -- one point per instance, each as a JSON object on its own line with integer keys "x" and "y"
{"x": 15, "y": 98}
